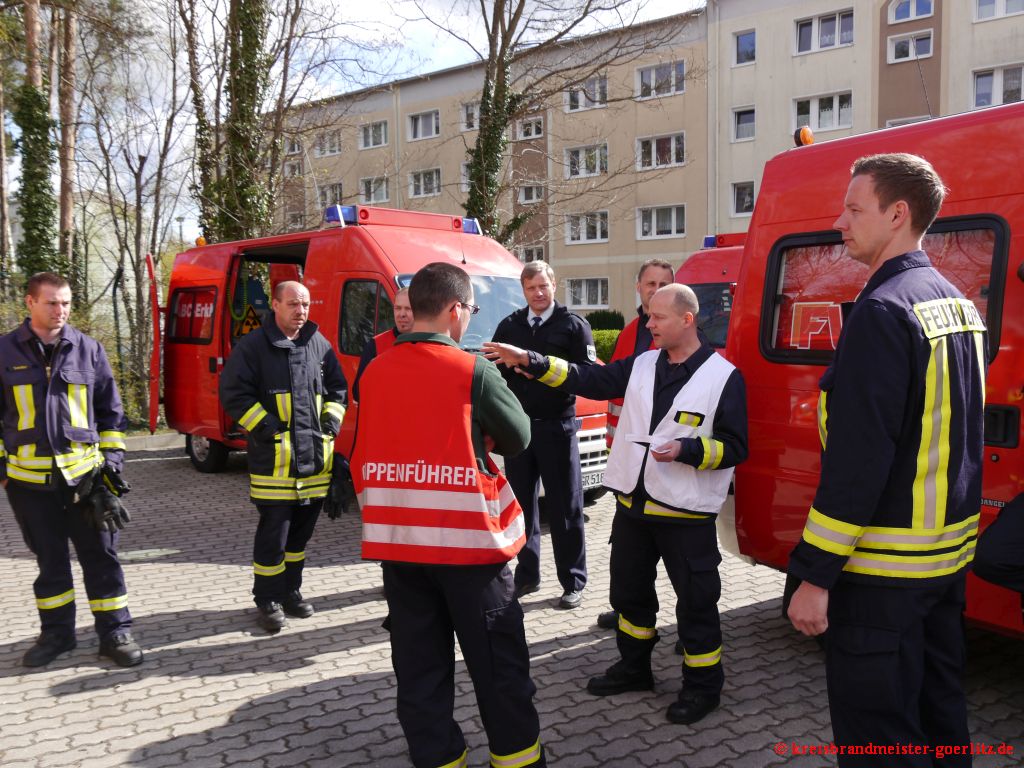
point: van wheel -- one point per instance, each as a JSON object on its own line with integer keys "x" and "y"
{"x": 207, "y": 455}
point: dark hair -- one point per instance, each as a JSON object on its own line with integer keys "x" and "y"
{"x": 435, "y": 286}
{"x": 659, "y": 263}
{"x": 39, "y": 279}
{"x": 910, "y": 178}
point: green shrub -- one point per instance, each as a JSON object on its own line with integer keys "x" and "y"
{"x": 606, "y": 320}
{"x": 605, "y": 340}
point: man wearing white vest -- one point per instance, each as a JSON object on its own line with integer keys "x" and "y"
{"x": 682, "y": 430}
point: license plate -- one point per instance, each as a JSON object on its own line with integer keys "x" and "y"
{"x": 593, "y": 480}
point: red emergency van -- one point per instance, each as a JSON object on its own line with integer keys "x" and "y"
{"x": 712, "y": 273}
{"x": 786, "y": 317}
{"x": 352, "y": 269}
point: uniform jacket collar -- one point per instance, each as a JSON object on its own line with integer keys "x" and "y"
{"x": 278, "y": 339}
{"x": 68, "y": 333}
{"x": 893, "y": 267}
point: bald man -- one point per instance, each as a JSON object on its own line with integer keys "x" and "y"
{"x": 682, "y": 430}
{"x": 284, "y": 386}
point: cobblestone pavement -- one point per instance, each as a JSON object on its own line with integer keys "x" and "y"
{"x": 216, "y": 691}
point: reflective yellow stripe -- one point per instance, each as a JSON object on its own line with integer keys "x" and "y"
{"x": 270, "y": 488}
{"x": 268, "y": 570}
{"x": 78, "y": 405}
{"x": 979, "y": 348}
{"x": 284, "y": 406}
{"x": 930, "y": 483}
{"x": 688, "y": 419}
{"x": 27, "y": 475}
{"x": 252, "y": 417}
{"x": 911, "y": 566}
{"x": 24, "y": 399}
{"x": 282, "y": 454}
{"x": 822, "y": 419}
{"x": 337, "y": 410}
{"x": 49, "y": 603}
{"x": 831, "y": 535}
{"x": 26, "y": 457}
{"x": 640, "y": 633}
{"x": 626, "y": 501}
{"x": 111, "y": 440}
{"x": 109, "y": 604}
{"x": 558, "y": 371}
{"x": 713, "y": 452}
{"x": 652, "y": 508}
{"x": 294, "y": 557}
{"x": 703, "y": 659}
{"x": 523, "y": 757}
{"x": 459, "y": 763}
{"x": 319, "y": 403}
{"x": 909, "y": 540}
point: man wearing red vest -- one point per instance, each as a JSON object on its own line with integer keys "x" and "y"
{"x": 382, "y": 342}
{"x": 445, "y": 523}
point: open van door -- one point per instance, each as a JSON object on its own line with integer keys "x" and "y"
{"x": 154, "y": 355}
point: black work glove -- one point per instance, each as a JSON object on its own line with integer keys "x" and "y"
{"x": 100, "y": 507}
{"x": 329, "y": 424}
{"x": 115, "y": 481}
{"x": 334, "y": 504}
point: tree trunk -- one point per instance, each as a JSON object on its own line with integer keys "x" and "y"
{"x": 33, "y": 74}
{"x": 53, "y": 59}
{"x": 66, "y": 152}
{"x": 6, "y": 255}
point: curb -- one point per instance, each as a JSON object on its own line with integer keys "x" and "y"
{"x": 158, "y": 442}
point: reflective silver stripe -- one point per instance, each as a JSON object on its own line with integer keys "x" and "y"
{"x": 895, "y": 538}
{"x": 640, "y": 633}
{"x": 613, "y": 409}
{"x": 24, "y": 399}
{"x": 703, "y": 659}
{"x": 49, "y": 603}
{"x": 558, "y": 371}
{"x": 335, "y": 409}
{"x": 910, "y": 566}
{"x": 294, "y": 557}
{"x": 112, "y": 440}
{"x": 519, "y": 759}
{"x": 452, "y": 538}
{"x": 451, "y": 501}
{"x": 610, "y": 430}
{"x": 252, "y": 417}
{"x": 78, "y": 405}
{"x": 109, "y": 604}
{"x": 267, "y": 570}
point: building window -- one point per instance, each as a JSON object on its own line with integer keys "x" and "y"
{"x": 991, "y": 9}
{"x": 294, "y": 220}
{"x": 661, "y": 80}
{"x": 586, "y": 227}
{"x": 531, "y": 128}
{"x": 328, "y": 144}
{"x": 743, "y": 198}
{"x": 586, "y": 293}
{"x": 829, "y": 31}
{"x": 531, "y": 193}
{"x": 825, "y": 113}
{"x": 661, "y": 151}
{"x": 292, "y": 169}
{"x": 746, "y": 48}
{"x": 330, "y": 194}
{"x": 905, "y": 10}
{"x": 293, "y": 146}
{"x": 471, "y": 116}
{"x": 464, "y": 177}
{"x": 591, "y": 93}
{"x": 425, "y": 183}
{"x": 374, "y": 190}
{"x": 425, "y": 125}
{"x": 373, "y": 135}
{"x": 587, "y": 161}
{"x": 663, "y": 221}
{"x": 742, "y": 124}
{"x": 998, "y": 86}
{"x": 910, "y": 47}
{"x": 530, "y": 253}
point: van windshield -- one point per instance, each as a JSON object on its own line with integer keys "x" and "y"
{"x": 715, "y": 302}
{"x": 498, "y": 297}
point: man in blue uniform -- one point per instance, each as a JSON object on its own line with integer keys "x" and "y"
{"x": 553, "y": 455}
{"x": 887, "y": 544}
{"x": 682, "y": 429}
{"x": 63, "y": 449}
{"x": 382, "y": 342}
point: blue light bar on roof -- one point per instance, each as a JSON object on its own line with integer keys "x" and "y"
{"x": 340, "y": 214}
{"x": 470, "y": 226}
{"x": 710, "y": 241}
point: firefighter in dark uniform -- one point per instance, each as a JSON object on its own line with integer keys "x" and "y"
{"x": 445, "y": 524}
{"x": 284, "y": 386}
{"x": 553, "y": 456}
{"x": 885, "y": 551}
{"x": 1000, "y": 555}
{"x": 62, "y": 454}
{"x": 382, "y": 342}
{"x": 682, "y": 429}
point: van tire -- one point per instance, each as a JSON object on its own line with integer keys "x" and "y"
{"x": 207, "y": 455}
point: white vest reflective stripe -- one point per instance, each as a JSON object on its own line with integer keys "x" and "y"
{"x": 422, "y": 504}
{"x": 673, "y": 485}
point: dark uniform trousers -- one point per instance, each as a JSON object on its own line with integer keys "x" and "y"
{"x": 554, "y": 457}
{"x": 47, "y": 522}
{"x": 279, "y": 550}
{"x": 999, "y": 557}
{"x": 691, "y": 557}
{"x": 893, "y": 664}
{"x": 429, "y": 605}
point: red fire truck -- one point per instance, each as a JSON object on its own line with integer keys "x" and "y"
{"x": 786, "y": 318}
{"x": 352, "y": 269}
{"x": 712, "y": 273}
